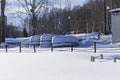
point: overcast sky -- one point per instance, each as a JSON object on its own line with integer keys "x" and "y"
{"x": 12, "y": 7}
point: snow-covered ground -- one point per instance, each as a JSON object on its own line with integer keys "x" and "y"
{"x": 62, "y": 64}
{"x": 58, "y": 65}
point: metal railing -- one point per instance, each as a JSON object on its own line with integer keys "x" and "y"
{"x": 52, "y": 47}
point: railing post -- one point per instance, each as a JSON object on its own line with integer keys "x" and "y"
{"x": 6, "y": 48}
{"x": 115, "y": 60}
{"x": 92, "y": 59}
{"x": 20, "y": 47}
{"x": 95, "y": 47}
{"x": 51, "y": 47}
{"x": 71, "y": 47}
{"x": 101, "y": 56}
{"x": 34, "y": 48}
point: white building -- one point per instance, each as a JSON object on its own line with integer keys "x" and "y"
{"x": 115, "y": 20}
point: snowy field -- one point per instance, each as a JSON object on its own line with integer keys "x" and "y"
{"x": 59, "y": 65}
{"x": 62, "y": 64}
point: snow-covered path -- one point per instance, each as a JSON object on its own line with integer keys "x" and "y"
{"x": 56, "y": 66}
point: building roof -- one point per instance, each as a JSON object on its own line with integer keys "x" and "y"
{"x": 115, "y": 10}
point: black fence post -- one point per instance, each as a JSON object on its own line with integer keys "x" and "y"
{"x": 20, "y": 48}
{"x": 95, "y": 47}
{"x": 6, "y": 48}
{"x": 34, "y": 48}
{"x": 115, "y": 60}
{"x": 71, "y": 47}
{"x": 101, "y": 56}
{"x": 51, "y": 47}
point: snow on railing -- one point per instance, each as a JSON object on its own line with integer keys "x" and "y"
{"x": 19, "y": 49}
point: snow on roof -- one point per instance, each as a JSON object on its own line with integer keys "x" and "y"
{"x": 35, "y": 38}
{"x": 64, "y": 41}
{"x": 63, "y": 38}
{"x": 115, "y": 10}
{"x": 15, "y": 40}
{"x": 25, "y": 41}
{"x": 46, "y": 40}
{"x": 46, "y": 37}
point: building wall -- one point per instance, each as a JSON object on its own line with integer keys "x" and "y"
{"x": 116, "y": 27}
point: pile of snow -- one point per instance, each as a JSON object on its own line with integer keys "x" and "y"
{"x": 13, "y": 40}
{"x": 35, "y": 39}
{"x": 57, "y": 66}
{"x": 26, "y": 42}
{"x": 83, "y": 40}
{"x": 62, "y": 41}
{"x": 45, "y": 40}
{"x": 84, "y": 36}
{"x": 62, "y": 65}
{"x": 87, "y": 40}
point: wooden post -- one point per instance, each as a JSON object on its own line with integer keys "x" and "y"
{"x": 6, "y": 48}
{"x": 95, "y": 47}
{"x": 34, "y": 48}
{"x": 71, "y": 47}
{"x": 92, "y": 59}
{"x": 115, "y": 60}
{"x": 51, "y": 47}
{"x": 20, "y": 47}
{"x": 101, "y": 56}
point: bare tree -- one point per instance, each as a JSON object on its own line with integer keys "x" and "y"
{"x": 32, "y": 9}
{"x": 2, "y": 28}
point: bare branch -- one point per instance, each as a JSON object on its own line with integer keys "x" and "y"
{"x": 20, "y": 12}
{"x": 32, "y": 8}
{"x": 40, "y": 5}
{"x": 22, "y": 18}
{"x": 27, "y": 5}
{"x": 24, "y": 6}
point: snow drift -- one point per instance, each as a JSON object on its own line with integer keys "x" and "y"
{"x": 64, "y": 41}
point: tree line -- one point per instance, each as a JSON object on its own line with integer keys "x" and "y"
{"x": 90, "y": 17}
{"x": 80, "y": 19}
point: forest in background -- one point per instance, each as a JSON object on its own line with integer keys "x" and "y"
{"x": 80, "y": 19}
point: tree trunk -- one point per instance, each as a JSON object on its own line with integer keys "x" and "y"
{"x": 2, "y": 28}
